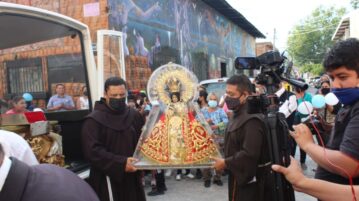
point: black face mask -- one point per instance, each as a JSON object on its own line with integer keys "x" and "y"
{"x": 325, "y": 91}
{"x": 118, "y": 104}
{"x": 86, "y": 93}
{"x": 232, "y": 103}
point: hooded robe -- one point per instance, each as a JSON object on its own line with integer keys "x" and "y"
{"x": 108, "y": 138}
{"x": 247, "y": 157}
{"x": 44, "y": 182}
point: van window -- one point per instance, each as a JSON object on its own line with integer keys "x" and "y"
{"x": 49, "y": 75}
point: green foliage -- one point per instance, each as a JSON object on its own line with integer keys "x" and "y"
{"x": 311, "y": 38}
{"x": 313, "y": 69}
{"x": 355, "y": 3}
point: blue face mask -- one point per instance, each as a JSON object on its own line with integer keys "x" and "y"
{"x": 347, "y": 96}
{"x": 212, "y": 103}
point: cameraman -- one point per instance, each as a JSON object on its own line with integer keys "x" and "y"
{"x": 342, "y": 64}
{"x": 245, "y": 146}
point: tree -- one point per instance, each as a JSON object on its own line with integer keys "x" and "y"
{"x": 313, "y": 69}
{"x": 311, "y": 38}
{"x": 355, "y": 3}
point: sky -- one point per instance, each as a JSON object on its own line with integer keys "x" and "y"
{"x": 281, "y": 15}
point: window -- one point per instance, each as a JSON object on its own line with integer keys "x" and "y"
{"x": 24, "y": 76}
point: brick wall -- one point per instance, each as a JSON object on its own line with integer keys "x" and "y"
{"x": 263, "y": 47}
{"x": 71, "y": 8}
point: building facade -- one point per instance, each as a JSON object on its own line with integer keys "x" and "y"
{"x": 203, "y": 35}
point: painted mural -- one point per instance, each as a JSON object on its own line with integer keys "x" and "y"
{"x": 188, "y": 32}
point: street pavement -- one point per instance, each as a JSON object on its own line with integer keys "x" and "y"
{"x": 194, "y": 190}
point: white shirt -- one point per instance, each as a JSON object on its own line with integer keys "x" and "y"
{"x": 84, "y": 103}
{"x": 289, "y": 106}
{"x": 16, "y": 146}
{"x": 4, "y": 171}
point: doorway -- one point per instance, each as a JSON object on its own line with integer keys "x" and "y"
{"x": 223, "y": 69}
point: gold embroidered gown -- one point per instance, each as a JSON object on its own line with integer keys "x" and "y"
{"x": 178, "y": 138}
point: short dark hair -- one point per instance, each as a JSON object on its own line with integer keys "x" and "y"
{"x": 343, "y": 53}
{"x": 242, "y": 82}
{"x": 114, "y": 81}
{"x": 203, "y": 94}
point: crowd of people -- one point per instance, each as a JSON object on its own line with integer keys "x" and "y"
{"x": 109, "y": 145}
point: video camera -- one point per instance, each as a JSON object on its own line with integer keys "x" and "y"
{"x": 273, "y": 69}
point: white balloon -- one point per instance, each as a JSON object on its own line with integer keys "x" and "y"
{"x": 331, "y": 99}
{"x": 305, "y": 108}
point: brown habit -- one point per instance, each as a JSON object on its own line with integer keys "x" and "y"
{"x": 108, "y": 138}
{"x": 245, "y": 150}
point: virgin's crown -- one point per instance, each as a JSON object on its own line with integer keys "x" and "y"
{"x": 174, "y": 85}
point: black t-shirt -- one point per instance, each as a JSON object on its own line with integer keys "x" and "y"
{"x": 345, "y": 138}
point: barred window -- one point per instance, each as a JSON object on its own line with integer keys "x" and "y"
{"x": 25, "y": 76}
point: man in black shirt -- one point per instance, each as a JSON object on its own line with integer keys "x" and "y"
{"x": 342, "y": 150}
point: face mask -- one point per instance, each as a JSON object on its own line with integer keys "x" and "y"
{"x": 232, "y": 103}
{"x": 86, "y": 93}
{"x": 325, "y": 91}
{"x": 118, "y": 104}
{"x": 212, "y": 103}
{"x": 347, "y": 96}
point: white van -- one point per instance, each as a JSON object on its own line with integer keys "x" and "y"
{"x": 39, "y": 49}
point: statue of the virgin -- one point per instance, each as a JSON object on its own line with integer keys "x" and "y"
{"x": 176, "y": 133}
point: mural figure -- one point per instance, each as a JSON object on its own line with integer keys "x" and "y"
{"x": 140, "y": 49}
{"x": 155, "y": 50}
{"x": 185, "y": 43}
{"x": 221, "y": 30}
{"x": 120, "y": 14}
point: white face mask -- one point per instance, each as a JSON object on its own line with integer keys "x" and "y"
{"x": 212, "y": 103}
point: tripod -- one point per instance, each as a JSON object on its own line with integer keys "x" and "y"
{"x": 277, "y": 139}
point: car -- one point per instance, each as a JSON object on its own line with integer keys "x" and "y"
{"x": 217, "y": 86}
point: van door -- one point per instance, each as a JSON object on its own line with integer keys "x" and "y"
{"x": 110, "y": 56}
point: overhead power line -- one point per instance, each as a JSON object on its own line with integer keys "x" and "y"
{"x": 314, "y": 30}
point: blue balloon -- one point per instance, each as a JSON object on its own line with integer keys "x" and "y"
{"x": 318, "y": 101}
{"x": 27, "y": 97}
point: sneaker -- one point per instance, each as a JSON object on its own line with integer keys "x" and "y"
{"x": 178, "y": 177}
{"x": 207, "y": 183}
{"x": 190, "y": 175}
{"x": 218, "y": 182}
{"x": 155, "y": 192}
{"x": 304, "y": 166}
{"x": 168, "y": 173}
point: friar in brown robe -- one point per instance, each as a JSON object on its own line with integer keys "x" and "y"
{"x": 247, "y": 157}
{"x": 246, "y": 153}
{"x": 109, "y": 138}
